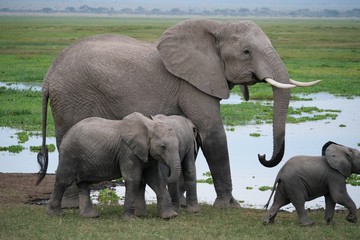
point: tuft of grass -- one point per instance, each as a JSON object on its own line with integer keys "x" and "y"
{"x": 255, "y": 134}
{"x": 265, "y": 188}
{"x": 22, "y": 137}
{"x": 13, "y": 148}
{"x": 51, "y": 148}
{"x": 353, "y": 180}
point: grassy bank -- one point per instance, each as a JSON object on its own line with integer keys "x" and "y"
{"x": 32, "y": 222}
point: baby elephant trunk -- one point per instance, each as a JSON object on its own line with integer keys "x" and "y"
{"x": 175, "y": 170}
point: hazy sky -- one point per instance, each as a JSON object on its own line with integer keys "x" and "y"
{"x": 185, "y": 4}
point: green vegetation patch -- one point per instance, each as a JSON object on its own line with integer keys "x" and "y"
{"x": 108, "y": 196}
{"x": 262, "y": 112}
{"x": 208, "y": 178}
{"x": 26, "y": 221}
{"x": 13, "y": 148}
{"x": 22, "y": 137}
{"x": 353, "y": 180}
{"x": 21, "y": 109}
{"x": 265, "y": 188}
{"x": 51, "y": 148}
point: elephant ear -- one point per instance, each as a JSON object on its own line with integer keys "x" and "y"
{"x": 189, "y": 51}
{"x": 339, "y": 158}
{"x": 136, "y": 134}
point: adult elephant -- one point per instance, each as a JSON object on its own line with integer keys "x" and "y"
{"x": 187, "y": 72}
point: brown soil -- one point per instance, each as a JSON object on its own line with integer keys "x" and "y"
{"x": 19, "y": 188}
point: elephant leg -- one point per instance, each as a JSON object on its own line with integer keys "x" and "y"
{"x": 182, "y": 190}
{"x": 85, "y": 205}
{"x": 140, "y": 204}
{"x": 71, "y": 197}
{"x": 280, "y": 200}
{"x": 158, "y": 183}
{"x": 54, "y": 207}
{"x": 329, "y": 209}
{"x": 216, "y": 153}
{"x": 174, "y": 192}
{"x": 204, "y": 112}
{"x": 131, "y": 193}
{"x": 343, "y": 198}
{"x": 189, "y": 171}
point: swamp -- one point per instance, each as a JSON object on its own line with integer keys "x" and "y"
{"x": 311, "y": 49}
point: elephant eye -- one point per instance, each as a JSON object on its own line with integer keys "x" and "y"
{"x": 163, "y": 148}
{"x": 246, "y": 52}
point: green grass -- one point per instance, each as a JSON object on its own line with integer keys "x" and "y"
{"x": 32, "y": 222}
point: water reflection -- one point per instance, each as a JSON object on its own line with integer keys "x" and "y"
{"x": 304, "y": 138}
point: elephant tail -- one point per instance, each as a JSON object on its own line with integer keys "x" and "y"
{"x": 272, "y": 193}
{"x": 42, "y": 156}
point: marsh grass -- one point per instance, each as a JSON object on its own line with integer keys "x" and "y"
{"x": 311, "y": 49}
{"x": 32, "y": 222}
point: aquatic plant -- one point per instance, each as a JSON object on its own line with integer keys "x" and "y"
{"x": 108, "y": 196}
{"x": 12, "y": 148}
{"x": 208, "y": 180}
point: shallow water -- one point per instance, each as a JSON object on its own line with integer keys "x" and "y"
{"x": 22, "y": 86}
{"x": 301, "y": 139}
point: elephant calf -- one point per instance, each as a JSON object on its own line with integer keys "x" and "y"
{"x": 304, "y": 178}
{"x": 186, "y": 133}
{"x": 97, "y": 149}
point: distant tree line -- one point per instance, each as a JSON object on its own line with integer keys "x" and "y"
{"x": 226, "y": 12}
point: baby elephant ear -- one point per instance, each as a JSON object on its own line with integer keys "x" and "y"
{"x": 136, "y": 135}
{"x": 339, "y": 158}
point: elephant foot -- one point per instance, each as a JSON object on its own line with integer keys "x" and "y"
{"x": 226, "y": 202}
{"x": 351, "y": 218}
{"x": 182, "y": 201}
{"x": 89, "y": 213}
{"x": 55, "y": 211}
{"x": 193, "y": 208}
{"x": 269, "y": 220}
{"x": 168, "y": 214}
{"x": 127, "y": 216}
{"x": 306, "y": 222}
{"x": 141, "y": 212}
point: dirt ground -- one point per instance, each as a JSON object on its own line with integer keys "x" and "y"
{"x": 19, "y": 188}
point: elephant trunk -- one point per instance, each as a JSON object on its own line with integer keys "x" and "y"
{"x": 175, "y": 170}
{"x": 281, "y": 98}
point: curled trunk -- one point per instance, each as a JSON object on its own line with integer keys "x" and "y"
{"x": 281, "y": 97}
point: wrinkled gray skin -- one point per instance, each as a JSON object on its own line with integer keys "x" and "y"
{"x": 187, "y": 72}
{"x": 96, "y": 149}
{"x": 304, "y": 178}
{"x": 186, "y": 133}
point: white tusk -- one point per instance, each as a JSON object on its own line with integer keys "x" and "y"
{"x": 277, "y": 84}
{"x": 304, "y": 84}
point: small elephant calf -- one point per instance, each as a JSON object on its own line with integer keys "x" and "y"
{"x": 304, "y": 178}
